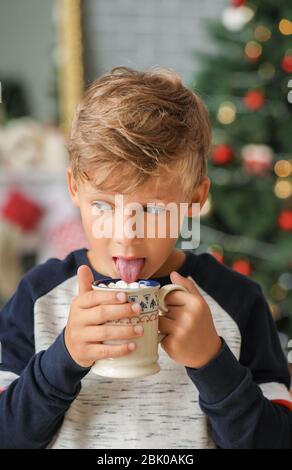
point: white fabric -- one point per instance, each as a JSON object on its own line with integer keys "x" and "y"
{"x": 6, "y": 378}
{"x": 275, "y": 391}
{"x": 159, "y": 411}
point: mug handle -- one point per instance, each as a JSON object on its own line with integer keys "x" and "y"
{"x": 163, "y": 291}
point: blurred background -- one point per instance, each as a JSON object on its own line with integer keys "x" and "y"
{"x": 237, "y": 54}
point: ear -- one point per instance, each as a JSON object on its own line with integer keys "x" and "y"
{"x": 72, "y": 187}
{"x": 200, "y": 194}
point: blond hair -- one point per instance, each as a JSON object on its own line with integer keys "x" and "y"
{"x": 132, "y": 125}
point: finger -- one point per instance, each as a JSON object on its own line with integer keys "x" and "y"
{"x": 166, "y": 326}
{"x": 173, "y": 312}
{"x": 104, "y": 351}
{"x": 85, "y": 279}
{"x": 166, "y": 343}
{"x": 95, "y": 334}
{"x": 96, "y": 297}
{"x": 104, "y": 313}
{"x": 178, "y": 298}
{"x": 186, "y": 282}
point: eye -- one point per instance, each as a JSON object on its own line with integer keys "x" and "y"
{"x": 154, "y": 209}
{"x": 101, "y": 206}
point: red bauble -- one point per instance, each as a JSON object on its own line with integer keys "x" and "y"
{"x": 242, "y": 266}
{"x": 217, "y": 255}
{"x": 222, "y": 154}
{"x": 285, "y": 220}
{"x": 22, "y": 211}
{"x": 254, "y": 100}
{"x": 286, "y": 64}
{"x": 237, "y": 3}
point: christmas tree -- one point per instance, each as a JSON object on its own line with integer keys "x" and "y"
{"x": 247, "y": 221}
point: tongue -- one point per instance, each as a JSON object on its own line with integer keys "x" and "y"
{"x": 129, "y": 270}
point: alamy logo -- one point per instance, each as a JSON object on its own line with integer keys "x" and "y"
{"x": 290, "y": 91}
{"x": 118, "y": 220}
{"x": 289, "y": 346}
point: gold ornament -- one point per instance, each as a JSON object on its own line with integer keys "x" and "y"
{"x": 283, "y": 168}
{"x": 262, "y": 33}
{"x": 285, "y": 27}
{"x": 283, "y": 189}
{"x": 253, "y": 50}
{"x": 278, "y": 293}
{"x": 226, "y": 113}
{"x": 275, "y": 310}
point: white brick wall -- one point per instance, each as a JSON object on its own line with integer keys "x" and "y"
{"x": 143, "y": 33}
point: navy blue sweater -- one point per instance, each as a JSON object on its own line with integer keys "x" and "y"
{"x": 238, "y": 400}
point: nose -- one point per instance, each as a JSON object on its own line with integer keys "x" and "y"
{"x": 128, "y": 228}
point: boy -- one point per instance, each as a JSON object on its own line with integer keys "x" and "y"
{"x": 224, "y": 380}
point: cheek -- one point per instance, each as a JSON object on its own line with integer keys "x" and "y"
{"x": 159, "y": 249}
{"x": 88, "y": 219}
{"x": 98, "y": 229}
{"x": 174, "y": 224}
{"x": 164, "y": 230}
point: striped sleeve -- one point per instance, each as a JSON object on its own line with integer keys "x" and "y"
{"x": 262, "y": 353}
{"x": 37, "y": 389}
{"x": 247, "y": 402}
{"x": 277, "y": 393}
{"x": 16, "y": 334}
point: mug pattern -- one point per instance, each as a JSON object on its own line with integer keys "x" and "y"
{"x": 136, "y": 320}
{"x": 148, "y": 301}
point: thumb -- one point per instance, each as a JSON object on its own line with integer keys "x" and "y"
{"x": 177, "y": 278}
{"x": 85, "y": 279}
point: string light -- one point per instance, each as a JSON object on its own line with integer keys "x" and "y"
{"x": 283, "y": 189}
{"x": 266, "y": 70}
{"x": 285, "y": 281}
{"x": 285, "y": 27}
{"x": 283, "y": 168}
{"x": 226, "y": 113}
{"x": 275, "y": 310}
{"x": 277, "y": 292}
{"x": 262, "y": 33}
{"x": 253, "y": 50}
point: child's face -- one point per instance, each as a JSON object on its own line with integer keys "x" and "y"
{"x": 154, "y": 250}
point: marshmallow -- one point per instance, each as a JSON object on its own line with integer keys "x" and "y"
{"x": 134, "y": 285}
{"x": 122, "y": 284}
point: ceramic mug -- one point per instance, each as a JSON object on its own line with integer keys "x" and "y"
{"x": 143, "y": 361}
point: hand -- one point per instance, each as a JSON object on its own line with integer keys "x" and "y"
{"x": 192, "y": 339}
{"x": 86, "y": 327}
